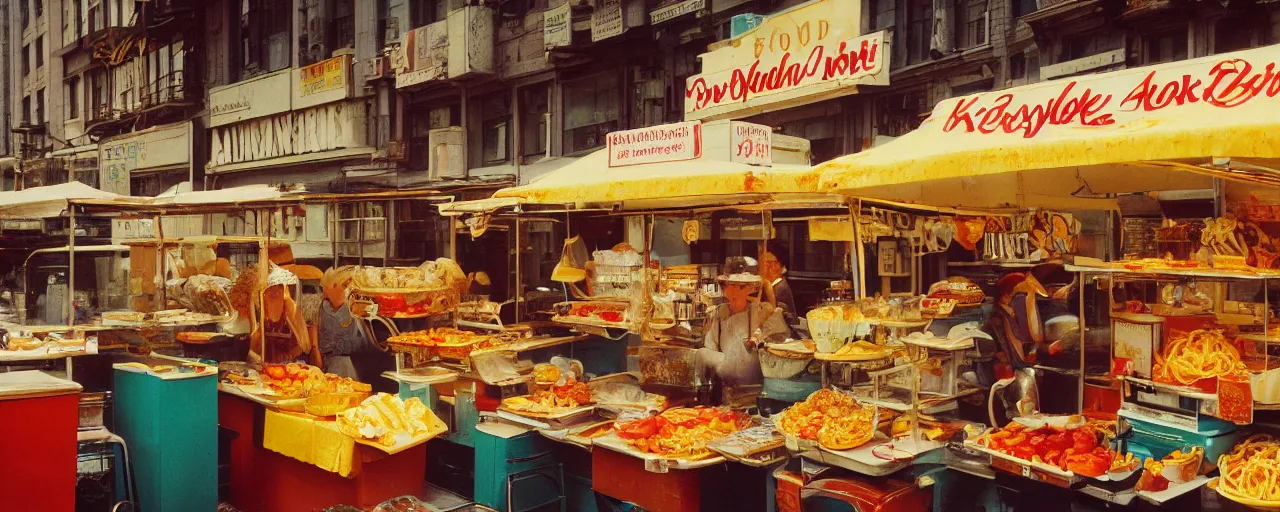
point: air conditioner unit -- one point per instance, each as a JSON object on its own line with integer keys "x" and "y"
{"x": 380, "y": 67}
{"x": 448, "y": 158}
{"x": 396, "y": 150}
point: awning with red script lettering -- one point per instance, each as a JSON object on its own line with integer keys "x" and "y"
{"x": 1054, "y": 144}
{"x": 591, "y": 181}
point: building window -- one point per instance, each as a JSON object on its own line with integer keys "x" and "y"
{"x": 426, "y": 12}
{"x": 73, "y": 97}
{"x": 919, "y": 30}
{"x": 26, "y": 59}
{"x": 590, "y": 112}
{"x": 26, "y": 110}
{"x": 39, "y": 8}
{"x": 39, "y": 106}
{"x": 78, "y": 29}
{"x": 1083, "y": 45}
{"x": 1234, "y": 34}
{"x": 974, "y": 24}
{"x": 534, "y": 120}
{"x": 422, "y": 119}
{"x": 1024, "y": 7}
{"x": 26, "y": 13}
{"x": 1166, "y": 46}
{"x": 39, "y": 52}
{"x": 344, "y": 24}
{"x": 881, "y": 15}
{"x": 264, "y": 36}
{"x": 97, "y": 18}
{"x": 495, "y": 121}
{"x": 98, "y": 103}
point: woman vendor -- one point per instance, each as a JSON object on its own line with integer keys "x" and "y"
{"x": 338, "y": 334}
{"x": 277, "y": 331}
{"x": 738, "y": 327}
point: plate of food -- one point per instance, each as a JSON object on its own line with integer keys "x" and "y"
{"x": 857, "y": 351}
{"x": 830, "y": 419}
{"x": 681, "y": 432}
{"x": 552, "y": 403}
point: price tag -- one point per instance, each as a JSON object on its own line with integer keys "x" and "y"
{"x": 1026, "y": 471}
{"x": 656, "y": 465}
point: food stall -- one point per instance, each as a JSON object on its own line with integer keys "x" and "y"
{"x": 1170, "y": 289}
{"x": 212, "y": 275}
{"x": 688, "y": 196}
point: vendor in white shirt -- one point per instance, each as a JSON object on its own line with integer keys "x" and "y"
{"x": 738, "y": 327}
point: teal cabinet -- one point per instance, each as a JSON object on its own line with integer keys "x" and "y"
{"x": 516, "y": 470}
{"x": 171, "y": 427}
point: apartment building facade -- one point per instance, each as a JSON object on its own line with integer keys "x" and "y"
{"x": 334, "y": 95}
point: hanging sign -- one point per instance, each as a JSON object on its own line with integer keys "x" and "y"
{"x": 555, "y": 26}
{"x": 662, "y": 143}
{"x": 750, "y": 143}
{"x": 606, "y": 20}
{"x": 798, "y": 56}
{"x": 677, "y": 10}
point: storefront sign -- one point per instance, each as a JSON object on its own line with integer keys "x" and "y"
{"x": 750, "y": 143}
{"x": 425, "y": 55}
{"x": 323, "y": 82}
{"x": 662, "y": 143}
{"x": 160, "y": 147}
{"x": 323, "y": 128}
{"x": 256, "y": 97}
{"x": 1211, "y": 85}
{"x": 809, "y": 53}
{"x": 555, "y": 26}
{"x": 606, "y": 20}
{"x": 674, "y": 11}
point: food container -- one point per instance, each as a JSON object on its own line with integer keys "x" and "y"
{"x": 92, "y": 406}
{"x": 783, "y": 365}
{"x": 669, "y": 366}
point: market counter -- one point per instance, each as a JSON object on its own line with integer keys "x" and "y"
{"x": 263, "y": 480}
{"x": 39, "y": 415}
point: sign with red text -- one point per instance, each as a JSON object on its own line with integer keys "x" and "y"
{"x": 1206, "y": 86}
{"x": 750, "y": 143}
{"x": 663, "y": 143}
{"x": 805, "y": 54}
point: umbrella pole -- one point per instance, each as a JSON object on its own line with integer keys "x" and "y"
{"x": 69, "y": 305}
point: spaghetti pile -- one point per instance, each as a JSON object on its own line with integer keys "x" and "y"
{"x": 1252, "y": 469}
{"x": 833, "y": 419}
{"x": 1200, "y": 354}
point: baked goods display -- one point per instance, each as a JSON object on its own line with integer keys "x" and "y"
{"x": 1199, "y": 354}
{"x": 1249, "y": 473}
{"x": 546, "y": 373}
{"x": 960, "y": 289}
{"x": 551, "y": 400}
{"x": 389, "y": 421}
{"x": 682, "y": 432}
{"x": 410, "y": 292}
{"x": 1076, "y": 450}
{"x": 858, "y": 351}
{"x": 834, "y": 324}
{"x": 297, "y": 380}
{"x": 599, "y": 313}
{"x": 833, "y": 419}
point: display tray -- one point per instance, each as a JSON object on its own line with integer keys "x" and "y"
{"x": 437, "y": 427}
{"x": 612, "y": 442}
{"x": 438, "y": 378}
{"x": 851, "y": 358}
{"x": 1205, "y": 272}
{"x": 1248, "y": 502}
{"x": 573, "y": 434}
{"x": 559, "y": 414}
{"x": 535, "y": 343}
{"x": 863, "y": 459}
{"x": 234, "y": 389}
{"x": 1176, "y": 490}
{"x": 40, "y": 354}
{"x": 1029, "y": 469}
{"x": 585, "y": 322}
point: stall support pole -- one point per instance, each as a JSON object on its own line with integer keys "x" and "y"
{"x": 159, "y": 280}
{"x": 856, "y": 255}
{"x": 519, "y": 283}
{"x": 68, "y": 307}
{"x": 1080, "y": 381}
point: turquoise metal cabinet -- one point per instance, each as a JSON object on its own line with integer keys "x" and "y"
{"x": 171, "y": 427}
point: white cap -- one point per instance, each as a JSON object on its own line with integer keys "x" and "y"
{"x": 967, "y": 330}
{"x": 281, "y": 276}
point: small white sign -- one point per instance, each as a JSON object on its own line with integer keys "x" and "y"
{"x": 606, "y": 20}
{"x": 663, "y": 143}
{"x": 671, "y": 12}
{"x": 751, "y": 143}
{"x": 555, "y": 26}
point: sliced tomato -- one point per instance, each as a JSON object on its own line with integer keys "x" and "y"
{"x": 637, "y": 429}
{"x": 610, "y": 316}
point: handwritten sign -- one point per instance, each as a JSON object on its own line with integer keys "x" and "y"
{"x": 323, "y": 82}
{"x": 794, "y": 57}
{"x": 555, "y": 26}
{"x": 750, "y": 143}
{"x": 662, "y": 143}
{"x": 606, "y": 20}
{"x": 1220, "y": 82}
{"x": 676, "y": 10}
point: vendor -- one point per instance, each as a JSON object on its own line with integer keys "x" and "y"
{"x": 277, "y": 331}
{"x": 339, "y": 334}
{"x": 738, "y": 327}
{"x": 776, "y": 289}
